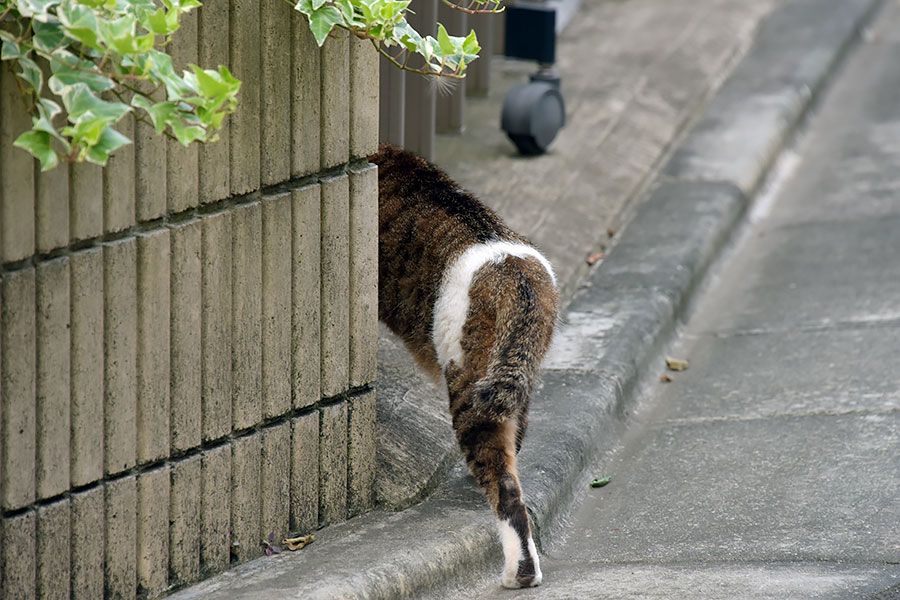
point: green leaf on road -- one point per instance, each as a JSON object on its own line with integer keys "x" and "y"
{"x": 599, "y": 482}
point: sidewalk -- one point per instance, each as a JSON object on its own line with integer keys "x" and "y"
{"x": 615, "y": 326}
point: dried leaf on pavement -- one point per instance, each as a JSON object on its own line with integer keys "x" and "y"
{"x": 296, "y": 543}
{"x": 676, "y": 364}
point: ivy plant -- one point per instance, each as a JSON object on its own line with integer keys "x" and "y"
{"x": 82, "y": 65}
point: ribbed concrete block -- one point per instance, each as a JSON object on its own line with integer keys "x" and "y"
{"x": 306, "y": 97}
{"x": 361, "y": 454}
{"x": 420, "y": 93}
{"x": 51, "y": 210}
{"x": 275, "y": 160}
{"x": 182, "y": 182}
{"x": 52, "y": 377}
{"x": 120, "y": 555}
{"x": 450, "y": 106}
{"x": 17, "y": 389}
{"x": 184, "y": 520}
{"x": 245, "y": 497}
{"x": 18, "y": 563}
{"x": 186, "y": 324}
{"x": 88, "y": 534}
{"x": 215, "y": 509}
{"x": 305, "y": 472}
{"x": 276, "y": 481}
{"x": 85, "y": 201}
{"x": 306, "y": 298}
{"x": 246, "y": 315}
{"x": 153, "y": 346}
{"x": 335, "y": 284}
{"x": 120, "y": 354}
{"x": 153, "y": 531}
{"x": 392, "y": 104}
{"x": 87, "y": 368}
{"x": 150, "y": 168}
{"x": 363, "y": 275}
{"x": 118, "y": 182}
{"x": 213, "y": 161}
{"x": 16, "y": 174}
{"x": 363, "y": 97}
{"x": 478, "y": 74}
{"x": 216, "y": 325}
{"x": 335, "y": 103}
{"x": 53, "y": 549}
{"x": 246, "y": 66}
{"x": 276, "y": 304}
{"x": 333, "y": 464}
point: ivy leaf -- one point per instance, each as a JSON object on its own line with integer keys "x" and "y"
{"x": 444, "y": 41}
{"x": 47, "y": 36}
{"x": 322, "y": 21}
{"x": 110, "y": 141}
{"x": 31, "y": 73}
{"x": 38, "y": 144}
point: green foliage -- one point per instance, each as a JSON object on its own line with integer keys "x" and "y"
{"x": 102, "y": 59}
{"x": 384, "y": 22}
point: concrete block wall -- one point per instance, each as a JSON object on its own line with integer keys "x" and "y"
{"x": 188, "y": 336}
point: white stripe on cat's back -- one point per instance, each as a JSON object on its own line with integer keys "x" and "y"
{"x": 452, "y": 304}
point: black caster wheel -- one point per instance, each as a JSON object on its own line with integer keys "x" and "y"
{"x": 533, "y": 113}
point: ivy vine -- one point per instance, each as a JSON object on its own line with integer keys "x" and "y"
{"x": 103, "y": 59}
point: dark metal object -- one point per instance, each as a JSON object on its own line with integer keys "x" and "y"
{"x": 534, "y": 112}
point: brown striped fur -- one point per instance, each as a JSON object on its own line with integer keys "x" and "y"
{"x": 425, "y": 223}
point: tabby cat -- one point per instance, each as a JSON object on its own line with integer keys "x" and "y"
{"x": 474, "y": 302}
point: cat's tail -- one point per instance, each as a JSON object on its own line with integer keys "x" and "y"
{"x": 523, "y": 330}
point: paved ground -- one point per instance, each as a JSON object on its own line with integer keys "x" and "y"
{"x": 771, "y": 467}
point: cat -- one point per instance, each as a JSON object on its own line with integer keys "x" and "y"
{"x": 475, "y": 304}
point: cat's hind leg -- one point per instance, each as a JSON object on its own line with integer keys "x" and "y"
{"x": 490, "y": 450}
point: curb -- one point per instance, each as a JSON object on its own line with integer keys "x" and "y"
{"x": 616, "y": 323}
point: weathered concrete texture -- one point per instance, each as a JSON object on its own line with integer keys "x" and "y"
{"x": 16, "y": 174}
{"x": 86, "y": 408}
{"x": 153, "y": 490}
{"x": 153, "y": 264}
{"x": 335, "y": 277}
{"x": 17, "y": 383}
{"x": 306, "y": 100}
{"x": 622, "y": 119}
{"x": 335, "y": 102}
{"x": 392, "y": 93}
{"x": 216, "y": 325}
{"x": 244, "y": 128}
{"x": 186, "y": 330}
{"x": 120, "y": 556}
{"x": 419, "y": 103}
{"x": 306, "y": 330}
{"x": 53, "y": 545}
{"x": 364, "y": 63}
{"x": 118, "y": 186}
{"x": 18, "y": 562}
{"x": 182, "y": 161}
{"x": 700, "y": 581}
{"x": 275, "y": 96}
{"x": 150, "y": 169}
{"x": 276, "y": 304}
{"x": 246, "y": 350}
{"x": 85, "y": 201}
{"x": 415, "y": 446}
{"x": 52, "y": 476}
{"x": 215, "y": 509}
{"x": 744, "y": 126}
{"x": 183, "y": 532}
{"x": 305, "y": 472}
{"x": 275, "y": 482}
{"x": 120, "y": 348}
{"x": 245, "y": 497}
{"x": 333, "y": 464}
{"x": 363, "y": 313}
{"x": 51, "y": 209}
{"x": 88, "y": 531}
{"x": 213, "y": 163}
{"x": 450, "y": 104}
{"x": 361, "y": 454}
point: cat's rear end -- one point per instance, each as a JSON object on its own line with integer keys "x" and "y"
{"x": 474, "y": 302}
